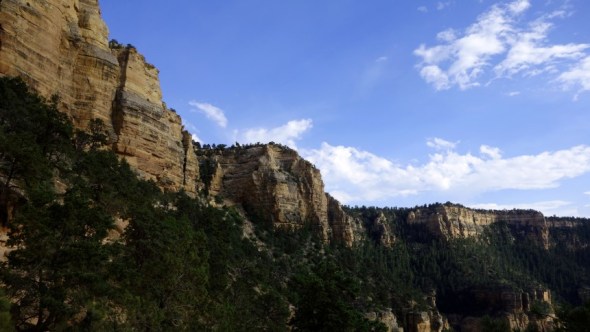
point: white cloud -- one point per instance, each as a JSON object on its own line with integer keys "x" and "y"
{"x": 519, "y": 6}
{"x": 587, "y": 193}
{"x": 500, "y": 39}
{"x": 435, "y": 76}
{"x": 527, "y": 52}
{"x": 513, "y": 93}
{"x": 578, "y": 76}
{"x": 422, "y": 9}
{"x": 196, "y": 138}
{"x": 492, "y": 152}
{"x": 448, "y": 35}
{"x": 356, "y": 175}
{"x": 286, "y": 134}
{"x": 382, "y": 59}
{"x": 440, "y": 144}
{"x": 213, "y": 113}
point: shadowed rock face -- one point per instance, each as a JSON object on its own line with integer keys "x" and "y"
{"x": 60, "y": 47}
{"x": 510, "y": 305}
{"x": 453, "y": 221}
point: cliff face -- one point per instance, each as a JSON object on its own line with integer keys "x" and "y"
{"x": 453, "y": 221}
{"x": 60, "y": 47}
{"x": 275, "y": 185}
{"x": 518, "y": 308}
{"x": 572, "y": 233}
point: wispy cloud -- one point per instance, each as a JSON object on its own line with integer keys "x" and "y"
{"x": 501, "y": 40}
{"x": 443, "y": 4}
{"x": 492, "y": 152}
{"x": 286, "y": 134}
{"x": 213, "y": 113}
{"x": 577, "y": 77}
{"x": 423, "y": 9}
{"x": 355, "y": 175}
{"x": 372, "y": 74}
{"x": 527, "y": 52}
{"x": 440, "y": 144}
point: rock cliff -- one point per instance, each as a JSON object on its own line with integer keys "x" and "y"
{"x": 520, "y": 309}
{"x": 275, "y": 185}
{"x": 456, "y": 221}
{"x": 61, "y": 47}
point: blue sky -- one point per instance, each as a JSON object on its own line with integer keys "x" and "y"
{"x": 399, "y": 103}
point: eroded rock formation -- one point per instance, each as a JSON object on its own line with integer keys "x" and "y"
{"x": 61, "y": 47}
{"x": 454, "y": 221}
{"x": 274, "y": 184}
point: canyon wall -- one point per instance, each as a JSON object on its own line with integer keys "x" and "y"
{"x": 61, "y": 47}
{"x": 274, "y": 184}
{"x": 455, "y": 221}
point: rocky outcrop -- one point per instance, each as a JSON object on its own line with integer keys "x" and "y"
{"x": 519, "y": 309}
{"x": 343, "y": 227}
{"x": 455, "y": 221}
{"x": 275, "y": 185}
{"x": 380, "y": 231}
{"x": 387, "y": 318}
{"x": 571, "y": 233}
{"x": 426, "y": 321}
{"x": 60, "y": 47}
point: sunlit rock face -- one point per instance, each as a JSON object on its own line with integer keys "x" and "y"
{"x": 61, "y": 47}
{"x": 454, "y": 221}
{"x": 274, "y": 184}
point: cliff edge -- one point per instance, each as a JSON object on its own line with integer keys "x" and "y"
{"x": 61, "y": 47}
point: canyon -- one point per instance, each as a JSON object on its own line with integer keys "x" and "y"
{"x": 61, "y": 48}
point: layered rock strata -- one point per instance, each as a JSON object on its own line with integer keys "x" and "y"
{"x": 454, "y": 221}
{"x": 60, "y": 47}
{"x": 274, "y": 184}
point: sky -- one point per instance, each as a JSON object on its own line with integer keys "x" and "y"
{"x": 398, "y": 102}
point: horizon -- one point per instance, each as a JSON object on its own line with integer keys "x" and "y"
{"x": 484, "y": 104}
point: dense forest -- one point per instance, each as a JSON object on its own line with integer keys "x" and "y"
{"x": 181, "y": 264}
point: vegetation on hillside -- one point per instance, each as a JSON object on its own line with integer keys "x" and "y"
{"x": 183, "y": 265}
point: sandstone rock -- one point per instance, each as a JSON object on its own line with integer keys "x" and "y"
{"x": 379, "y": 230}
{"x": 61, "y": 47}
{"x": 344, "y": 228}
{"x": 454, "y": 221}
{"x": 387, "y": 318}
{"x": 426, "y": 321}
{"x": 275, "y": 185}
